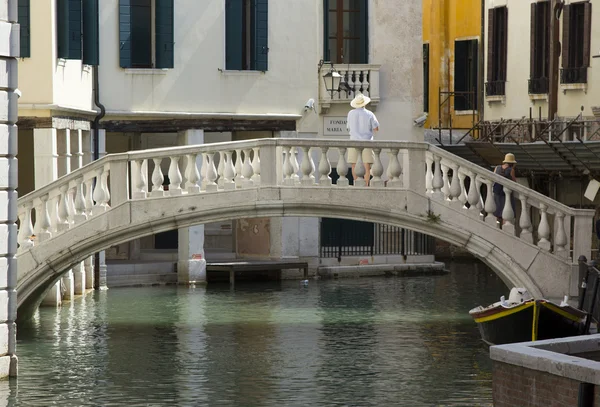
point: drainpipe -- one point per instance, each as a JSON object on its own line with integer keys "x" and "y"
{"x": 482, "y": 56}
{"x": 96, "y": 128}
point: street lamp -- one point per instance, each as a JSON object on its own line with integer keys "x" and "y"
{"x": 333, "y": 80}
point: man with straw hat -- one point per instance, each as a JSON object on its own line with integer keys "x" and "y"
{"x": 507, "y": 170}
{"x": 361, "y": 124}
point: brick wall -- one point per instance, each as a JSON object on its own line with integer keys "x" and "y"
{"x": 515, "y": 386}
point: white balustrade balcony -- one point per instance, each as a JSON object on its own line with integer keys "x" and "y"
{"x": 362, "y": 78}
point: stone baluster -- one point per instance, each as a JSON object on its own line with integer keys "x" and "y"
{"x": 324, "y": 168}
{"x": 228, "y": 171}
{"x": 79, "y": 204}
{"x": 288, "y": 169}
{"x": 490, "y": 203}
{"x": 25, "y": 228}
{"x": 446, "y": 181}
{"x": 89, "y": 200}
{"x": 438, "y": 180}
{"x": 478, "y": 183}
{"x": 455, "y": 184}
{"x": 62, "y": 218}
{"x": 560, "y": 237}
{"x": 462, "y": 196}
{"x": 157, "y": 180}
{"x": 359, "y": 169}
{"x": 377, "y": 170}
{"x": 365, "y": 83}
{"x": 98, "y": 194}
{"x": 192, "y": 175}
{"x": 429, "y": 173}
{"x": 342, "y": 168}
{"x": 256, "y": 166}
{"x": 525, "y": 220}
{"x": 394, "y": 170}
{"x": 43, "y": 220}
{"x": 508, "y": 213}
{"x": 473, "y": 197}
{"x": 355, "y": 84}
{"x": 247, "y": 171}
{"x": 295, "y": 166}
{"x": 544, "y": 229}
{"x": 105, "y": 190}
{"x": 221, "y": 169}
{"x": 203, "y": 170}
{"x": 211, "y": 173}
{"x": 350, "y": 81}
{"x": 239, "y": 163}
{"x": 71, "y": 204}
{"x": 141, "y": 182}
{"x": 175, "y": 178}
{"x": 308, "y": 167}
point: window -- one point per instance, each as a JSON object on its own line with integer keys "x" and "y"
{"x": 576, "y": 42}
{"x": 425, "y": 78}
{"x": 77, "y": 30}
{"x": 540, "y": 48}
{"x": 24, "y": 22}
{"x": 246, "y": 36}
{"x": 497, "y": 51}
{"x": 465, "y": 75}
{"x": 346, "y": 38}
{"x": 146, "y": 33}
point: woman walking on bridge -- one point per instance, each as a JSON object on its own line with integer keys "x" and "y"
{"x": 507, "y": 170}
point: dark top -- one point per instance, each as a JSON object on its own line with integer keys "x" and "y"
{"x": 505, "y": 172}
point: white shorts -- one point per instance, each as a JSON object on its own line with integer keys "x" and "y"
{"x": 367, "y": 156}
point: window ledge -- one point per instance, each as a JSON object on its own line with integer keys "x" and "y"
{"x": 538, "y": 96}
{"x": 61, "y": 62}
{"x": 465, "y": 112}
{"x": 87, "y": 68}
{"x": 145, "y": 71}
{"x": 241, "y": 73}
{"x": 496, "y": 99}
{"x": 574, "y": 86}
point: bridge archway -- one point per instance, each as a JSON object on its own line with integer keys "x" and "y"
{"x": 42, "y": 265}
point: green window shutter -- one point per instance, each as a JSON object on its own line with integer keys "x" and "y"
{"x": 326, "y": 30}
{"x": 125, "y": 33}
{"x": 91, "y": 35}
{"x": 24, "y": 22}
{"x": 233, "y": 34}
{"x": 364, "y": 32}
{"x": 68, "y": 21}
{"x": 141, "y": 33}
{"x": 261, "y": 35}
{"x": 164, "y": 40}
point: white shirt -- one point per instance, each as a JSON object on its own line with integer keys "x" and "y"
{"x": 361, "y": 123}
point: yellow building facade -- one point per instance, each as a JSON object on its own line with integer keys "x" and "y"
{"x": 451, "y": 62}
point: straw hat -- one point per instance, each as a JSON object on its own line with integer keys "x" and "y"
{"x": 360, "y": 101}
{"x": 509, "y": 159}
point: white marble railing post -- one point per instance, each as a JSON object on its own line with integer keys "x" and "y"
{"x": 157, "y": 180}
{"x": 192, "y": 174}
{"x": 43, "y": 220}
{"x": 139, "y": 180}
{"x": 211, "y": 173}
{"x": 473, "y": 197}
{"x": 324, "y": 168}
{"x": 508, "y": 213}
{"x": 394, "y": 170}
{"x": 446, "y": 181}
{"x": 229, "y": 171}
{"x": 238, "y": 168}
{"x": 455, "y": 184}
{"x": 62, "y": 219}
{"x": 288, "y": 168}
{"x": 295, "y": 166}
{"x": 25, "y": 229}
{"x": 429, "y": 173}
{"x": 175, "y": 178}
{"x": 359, "y": 169}
{"x": 525, "y": 220}
{"x": 79, "y": 204}
{"x": 247, "y": 171}
{"x": 560, "y": 237}
{"x": 203, "y": 171}
{"x": 462, "y": 196}
{"x": 256, "y": 166}
{"x": 377, "y": 170}
{"x": 490, "y": 203}
{"x": 438, "y": 180}
{"x": 308, "y": 167}
{"x": 221, "y": 169}
{"x": 544, "y": 229}
{"x": 342, "y": 168}
{"x": 89, "y": 200}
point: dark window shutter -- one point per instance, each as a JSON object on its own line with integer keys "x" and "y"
{"x": 490, "y": 44}
{"x": 91, "y": 34}
{"x": 24, "y": 22}
{"x": 473, "y": 74}
{"x": 504, "y": 49}
{"x": 426, "y": 77}
{"x": 68, "y": 23}
{"x": 62, "y": 28}
{"x": 233, "y": 34}
{"x": 326, "y": 30}
{"x": 125, "y": 33}
{"x": 75, "y": 34}
{"x": 532, "y": 42}
{"x": 587, "y": 33}
{"x": 164, "y": 40}
{"x": 261, "y": 35}
{"x": 461, "y": 59}
{"x": 364, "y": 32}
{"x": 564, "y": 47}
{"x": 141, "y": 33}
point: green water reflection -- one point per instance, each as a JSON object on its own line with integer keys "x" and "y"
{"x": 359, "y": 342}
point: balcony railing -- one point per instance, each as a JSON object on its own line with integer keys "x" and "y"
{"x": 495, "y": 88}
{"x": 362, "y": 78}
{"x": 573, "y": 75}
{"x": 538, "y": 86}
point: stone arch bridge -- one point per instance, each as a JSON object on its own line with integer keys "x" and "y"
{"x": 415, "y": 185}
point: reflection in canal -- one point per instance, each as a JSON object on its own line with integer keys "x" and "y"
{"x": 358, "y": 342}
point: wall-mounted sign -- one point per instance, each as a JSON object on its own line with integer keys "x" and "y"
{"x": 334, "y": 126}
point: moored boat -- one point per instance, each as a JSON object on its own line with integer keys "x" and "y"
{"x": 523, "y": 318}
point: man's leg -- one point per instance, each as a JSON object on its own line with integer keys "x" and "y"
{"x": 367, "y": 173}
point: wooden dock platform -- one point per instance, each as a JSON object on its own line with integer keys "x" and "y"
{"x": 251, "y": 265}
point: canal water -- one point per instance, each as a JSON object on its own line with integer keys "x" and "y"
{"x": 358, "y": 342}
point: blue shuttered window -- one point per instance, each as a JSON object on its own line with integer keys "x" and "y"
{"x": 24, "y": 21}
{"x": 68, "y": 21}
{"x": 246, "y": 35}
{"x": 91, "y": 34}
{"x": 135, "y": 33}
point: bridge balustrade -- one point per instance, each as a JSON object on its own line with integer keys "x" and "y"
{"x": 420, "y": 168}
